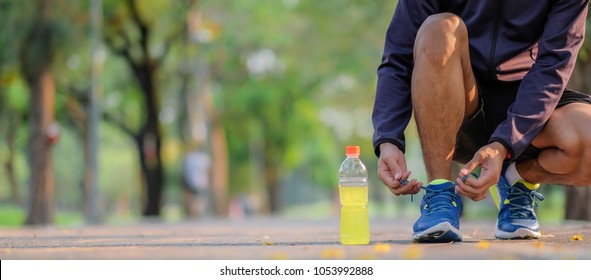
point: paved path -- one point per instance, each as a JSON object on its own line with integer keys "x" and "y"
{"x": 274, "y": 238}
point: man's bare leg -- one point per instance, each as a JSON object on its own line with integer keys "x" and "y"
{"x": 443, "y": 89}
{"x": 566, "y": 149}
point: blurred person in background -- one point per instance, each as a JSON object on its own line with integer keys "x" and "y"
{"x": 196, "y": 171}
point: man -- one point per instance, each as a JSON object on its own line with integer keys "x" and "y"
{"x": 486, "y": 82}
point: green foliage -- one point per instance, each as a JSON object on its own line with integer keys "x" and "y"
{"x": 314, "y": 43}
{"x": 293, "y": 83}
{"x": 16, "y": 95}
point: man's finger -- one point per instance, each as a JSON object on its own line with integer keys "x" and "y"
{"x": 472, "y": 196}
{"x": 476, "y": 183}
{"x": 471, "y": 165}
{"x": 468, "y": 195}
{"x": 405, "y": 175}
{"x": 385, "y": 172}
{"x": 466, "y": 188}
{"x": 464, "y": 193}
{"x": 386, "y": 177}
{"x": 483, "y": 182}
{"x": 395, "y": 169}
{"x": 409, "y": 188}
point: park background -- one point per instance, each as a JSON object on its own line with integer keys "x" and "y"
{"x": 100, "y": 101}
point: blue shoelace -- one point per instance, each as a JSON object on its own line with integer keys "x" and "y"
{"x": 404, "y": 182}
{"x": 440, "y": 199}
{"x": 522, "y": 210}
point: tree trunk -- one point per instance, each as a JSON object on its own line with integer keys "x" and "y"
{"x": 219, "y": 180}
{"x": 13, "y": 125}
{"x": 217, "y": 140}
{"x": 578, "y": 200}
{"x": 272, "y": 178}
{"x": 36, "y": 59}
{"x": 151, "y": 165}
{"x": 149, "y": 142}
{"x": 41, "y": 115}
{"x": 91, "y": 133}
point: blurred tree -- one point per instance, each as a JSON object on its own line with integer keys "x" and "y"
{"x": 274, "y": 82}
{"x": 36, "y": 59}
{"x": 12, "y": 109}
{"x": 58, "y": 55}
{"x": 128, "y": 34}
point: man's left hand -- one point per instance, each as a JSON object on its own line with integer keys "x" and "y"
{"x": 490, "y": 159}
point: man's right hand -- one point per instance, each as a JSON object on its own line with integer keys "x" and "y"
{"x": 392, "y": 170}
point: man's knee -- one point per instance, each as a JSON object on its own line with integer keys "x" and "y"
{"x": 439, "y": 37}
{"x": 574, "y": 128}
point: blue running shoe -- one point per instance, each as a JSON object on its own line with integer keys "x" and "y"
{"x": 517, "y": 217}
{"x": 441, "y": 209}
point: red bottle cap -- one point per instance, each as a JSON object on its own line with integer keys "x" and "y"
{"x": 352, "y": 150}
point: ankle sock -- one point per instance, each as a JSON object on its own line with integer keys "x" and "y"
{"x": 512, "y": 175}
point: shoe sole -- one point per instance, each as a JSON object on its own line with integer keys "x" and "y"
{"x": 520, "y": 233}
{"x": 440, "y": 233}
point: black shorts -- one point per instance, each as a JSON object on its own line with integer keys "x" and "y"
{"x": 495, "y": 99}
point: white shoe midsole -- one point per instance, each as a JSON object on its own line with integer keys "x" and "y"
{"x": 519, "y": 233}
{"x": 444, "y": 227}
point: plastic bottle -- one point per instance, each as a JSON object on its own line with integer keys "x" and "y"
{"x": 353, "y": 195}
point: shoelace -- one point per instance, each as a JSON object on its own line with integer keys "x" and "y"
{"x": 444, "y": 198}
{"x": 404, "y": 182}
{"x": 521, "y": 210}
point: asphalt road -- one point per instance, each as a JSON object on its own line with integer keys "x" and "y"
{"x": 276, "y": 239}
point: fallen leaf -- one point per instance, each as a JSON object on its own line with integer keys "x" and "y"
{"x": 538, "y": 244}
{"x": 382, "y": 248}
{"x": 267, "y": 241}
{"x": 412, "y": 252}
{"x": 484, "y": 245}
{"x": 577, "y": 237}
{"x": 332, "y": 254}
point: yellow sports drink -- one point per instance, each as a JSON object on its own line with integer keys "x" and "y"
{"x": 354, "y": 220}
{"x": 353, "y": 193}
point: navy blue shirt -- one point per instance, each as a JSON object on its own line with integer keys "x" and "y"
{"x": 536, "y": 41}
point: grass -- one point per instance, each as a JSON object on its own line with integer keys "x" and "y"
{"x": 13, "y": 217}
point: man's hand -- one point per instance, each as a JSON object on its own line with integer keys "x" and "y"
{"x": 490, "y": 158}
{"x": 392, "y": 170}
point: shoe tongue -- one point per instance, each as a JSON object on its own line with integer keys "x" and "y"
{"x": 440, "y": 184}
{"x": 527, "y": 185}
